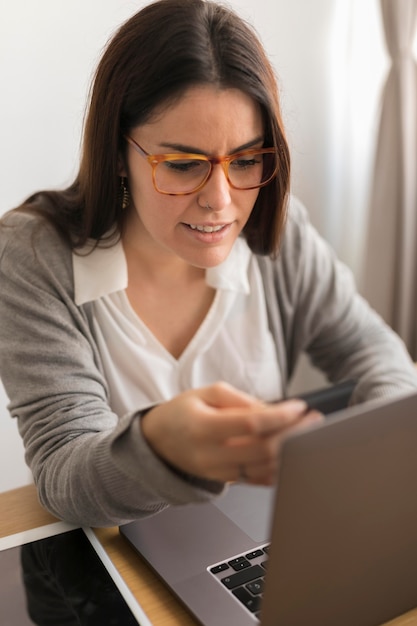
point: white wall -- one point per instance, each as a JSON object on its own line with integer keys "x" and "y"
{"x": 48, "y": 50}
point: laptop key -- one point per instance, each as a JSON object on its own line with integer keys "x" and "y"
{"x": 256, "y": 587}
{"x": 252, "y": 603}
{"x": 254, "y": 554}
{"x": 239, "y": 563}
{"x": 219, "y": 568}
{"x": 243, "y": 577}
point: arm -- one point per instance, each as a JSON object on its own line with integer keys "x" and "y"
{"x": 89, "y": 466}
{"x": 314, "y": 298}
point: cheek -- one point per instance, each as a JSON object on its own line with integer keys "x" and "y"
{"x": 140, "y": 184}
{"x": 143, "y": 194}
{"x": 158, "y": 213}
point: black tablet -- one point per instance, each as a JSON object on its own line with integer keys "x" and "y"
{"x": 60, "y": 575}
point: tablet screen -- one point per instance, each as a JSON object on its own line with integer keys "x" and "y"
{"x": 63, "y": 580}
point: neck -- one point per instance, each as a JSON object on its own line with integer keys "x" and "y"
{"x": 161, "y": 266}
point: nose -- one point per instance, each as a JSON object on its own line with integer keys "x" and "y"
{"x": 216, "y": 191}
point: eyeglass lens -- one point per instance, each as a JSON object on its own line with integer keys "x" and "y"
{"x": 185, "y": 175}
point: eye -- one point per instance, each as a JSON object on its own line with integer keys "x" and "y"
{"x": 246, "y": 162}
{"x": 185, "y": 166}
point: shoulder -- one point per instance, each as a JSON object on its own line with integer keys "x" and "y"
{"x": 298, "y": 234}
{"x": 19, "y": 229}
{"x": 305, "y": 261}
{"x": 297, "y": 212}
{"x": 297, "y": 226}
{"x": 302, "y": 247}
{"x": 29, "y": 242}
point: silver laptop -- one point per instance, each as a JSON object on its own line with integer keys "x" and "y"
{"x": 336, "y": 543}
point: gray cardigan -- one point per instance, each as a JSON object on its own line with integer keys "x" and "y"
{"x": 92, "y": 467}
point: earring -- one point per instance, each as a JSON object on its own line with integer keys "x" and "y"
{"x": 124, "y": 192}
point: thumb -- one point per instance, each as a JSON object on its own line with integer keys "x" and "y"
{"x": 223, "y": 395}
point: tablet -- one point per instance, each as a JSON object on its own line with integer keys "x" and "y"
{"x": 60, "y": 575}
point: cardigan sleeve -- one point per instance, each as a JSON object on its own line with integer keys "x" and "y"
{"x": 90, "y": 467}
{"x": 315, "y": 308}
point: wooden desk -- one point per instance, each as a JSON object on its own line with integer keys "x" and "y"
{"x": 20, "y": 511}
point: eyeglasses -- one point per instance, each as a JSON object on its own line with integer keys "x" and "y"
{"x": 181, "y": 174}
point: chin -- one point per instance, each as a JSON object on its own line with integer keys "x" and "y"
{"x": 209, "y": 258}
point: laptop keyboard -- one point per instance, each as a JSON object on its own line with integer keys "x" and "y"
{"x": 243, "y": 576}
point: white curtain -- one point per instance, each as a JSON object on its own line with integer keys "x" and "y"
{"x": 390, "y": 258}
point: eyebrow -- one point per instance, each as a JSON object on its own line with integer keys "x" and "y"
{"x": 192, "y": 150}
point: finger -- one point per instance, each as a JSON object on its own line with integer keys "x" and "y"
{"x": 223, "y": 395}
{"x": 260, "y": 456}
{"x": 312, "y": 418}
{"x": 276, "y": 417}
{"x": 253, "y": 450}
{"x": 220, "y": 425}
{"x": 265, "y": 478}
{"x": 264, "y": 420}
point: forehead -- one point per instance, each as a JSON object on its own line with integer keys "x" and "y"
{"x": 206, "y": 117}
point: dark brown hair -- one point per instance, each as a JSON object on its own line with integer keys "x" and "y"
{"x": 159, "y": 53}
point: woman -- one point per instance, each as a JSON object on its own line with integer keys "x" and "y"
{"x": 152, "y": 311}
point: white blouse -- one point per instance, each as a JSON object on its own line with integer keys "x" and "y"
{"x": 232, "y": 344}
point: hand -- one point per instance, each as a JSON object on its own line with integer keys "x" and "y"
{"x": 220, "y": 433}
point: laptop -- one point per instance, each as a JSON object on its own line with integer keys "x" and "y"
{"x": 334, "y": 543}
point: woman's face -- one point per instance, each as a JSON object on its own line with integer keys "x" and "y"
{"x": 206, "y": 120}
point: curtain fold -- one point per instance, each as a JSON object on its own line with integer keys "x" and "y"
{"x": 390, "y": 259}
